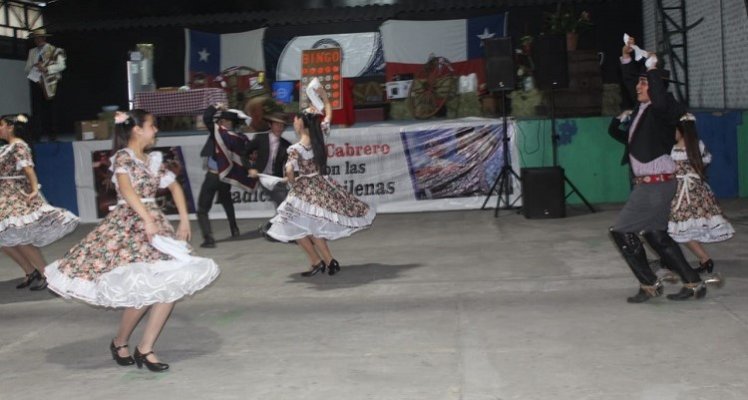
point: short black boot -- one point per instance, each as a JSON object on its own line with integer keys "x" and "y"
{"x": 204, "y": 223}
{"x": 235, "y": 231}
{"x": 686, "y": 293}
{"x": 647, "y": 293}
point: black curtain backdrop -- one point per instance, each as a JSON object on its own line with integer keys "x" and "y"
{"x": 96, "y": 67}
{"x": 96, "y": 73}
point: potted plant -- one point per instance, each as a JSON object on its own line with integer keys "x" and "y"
{"x": 567, "y": 22}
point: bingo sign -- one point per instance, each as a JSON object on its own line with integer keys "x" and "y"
{"x": 324, "y": 64}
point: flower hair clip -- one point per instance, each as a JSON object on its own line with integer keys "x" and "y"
{"x": 688, "y": 117}
{"x": 121, "y": 117}
{"x": 21, "y": 118}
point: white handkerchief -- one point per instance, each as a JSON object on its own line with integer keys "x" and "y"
{"x": 269, "y": 181}
{"x": 34, "y": 75}
{"x": 639, "y": 53}
{"x": 173, "y": 247}
{"x": 311, "y": 92}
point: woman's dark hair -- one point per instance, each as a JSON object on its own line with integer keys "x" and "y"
{"x": 312, "y": 122}
{"x": 20, "y": 124}
{"x": 123, "y": 130}
{"x": 693, "y": 150}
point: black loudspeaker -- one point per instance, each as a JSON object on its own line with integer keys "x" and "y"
{"x": 543, "y": 194}
{"x": 499, "y": 64}
{"x": 551, "y": 62}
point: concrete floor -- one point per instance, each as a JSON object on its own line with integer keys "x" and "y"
{"x": 454, "y": 305}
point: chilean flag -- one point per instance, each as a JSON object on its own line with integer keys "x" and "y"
{"x": 410, "y": 44}
{"x": 210, "y": 53}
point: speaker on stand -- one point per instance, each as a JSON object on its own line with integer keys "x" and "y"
{"x": 500, "y": 78}
{"x": 552, "y": 73}
{"x": 543, "y": 192}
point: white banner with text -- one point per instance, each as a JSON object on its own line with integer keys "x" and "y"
{"x": 444, "y": 165}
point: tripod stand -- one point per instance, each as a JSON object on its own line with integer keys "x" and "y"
{"x": 554, "y": 141}
{"x": 503, "y": 181}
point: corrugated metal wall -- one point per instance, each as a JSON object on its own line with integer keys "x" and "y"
{"x": 718, "y": 51}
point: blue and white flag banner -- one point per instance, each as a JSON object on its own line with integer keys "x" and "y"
{"x": 210, "y": 53}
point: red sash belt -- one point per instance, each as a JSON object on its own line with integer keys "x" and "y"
{"x": 659, "y": 178}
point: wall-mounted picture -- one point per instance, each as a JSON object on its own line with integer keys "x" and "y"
{"x": 106, "y": 195}
{"x": 453, "y": 162}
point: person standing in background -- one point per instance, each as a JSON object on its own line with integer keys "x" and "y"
{"x": 272, "y": 154}
{"x": 44, "y": 67}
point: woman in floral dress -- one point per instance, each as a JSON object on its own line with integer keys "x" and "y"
{"x": 131, "y": 259}
{"x": 316, "y": 209}
{"x": 695, "y": 216}
{"x": 27, "y": 221}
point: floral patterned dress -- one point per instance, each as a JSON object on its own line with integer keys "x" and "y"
{"x": 26, "y": 221}
{"x": 115, "y": 265}
{"x": 316, "y": 205}
{"x": 694, "y": 212}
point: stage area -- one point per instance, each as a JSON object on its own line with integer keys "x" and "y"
{"x": 442, "y": 305}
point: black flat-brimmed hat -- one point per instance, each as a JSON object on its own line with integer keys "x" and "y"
{"x": 233, "y": 115}
{"x": 664, "y": 74}
{"x": 276, "y": 117}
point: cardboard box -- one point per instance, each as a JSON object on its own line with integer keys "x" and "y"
{"x": 92, "y": 130}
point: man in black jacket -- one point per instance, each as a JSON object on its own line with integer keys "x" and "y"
{"x": 271, "y": 159}
{"x": 216, "y": 118}
{"x": 648, "y": 133}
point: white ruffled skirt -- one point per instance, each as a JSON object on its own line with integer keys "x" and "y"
{"x": 138, "y": 284}
{"x": 45, "y": 225}
{"x": 297, "y": 219}
{"x": 712, "y": 229}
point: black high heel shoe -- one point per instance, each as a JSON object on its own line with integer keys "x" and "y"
{"x": 41, "y": 285}
{"x": 320, "y": 267}
{"x": 707, "y": 266}
{"x": 333, "y": 268}
{"x": 123, "y": 361}
{"x": 141, "y": 359}
{"x": 30, "y": 278}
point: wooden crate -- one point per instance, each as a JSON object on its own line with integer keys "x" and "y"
{"x": 584, "y": 97}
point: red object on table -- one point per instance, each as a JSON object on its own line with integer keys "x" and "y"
{"x": 175, "y": 103}
{"x": 345, "y": 116}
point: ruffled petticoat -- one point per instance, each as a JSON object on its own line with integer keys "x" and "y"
{"x": 297, "y": 219}
{"x": 140, "y": 284}
{"x": 45, "y": 225}
{"x": 705, "y": 230}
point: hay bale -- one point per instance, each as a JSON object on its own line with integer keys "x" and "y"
{"x": 524, "y": 103}
{"x": 399, "y": 110}
{"x": 464, "y": 105}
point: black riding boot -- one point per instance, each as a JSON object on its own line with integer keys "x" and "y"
{"x": 636, "y": 258}
{"x": 672, "y": 256}
{"x": 204, "y": 222}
